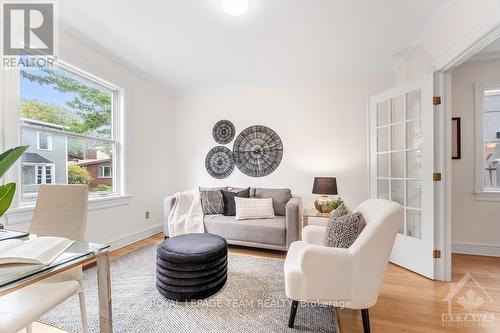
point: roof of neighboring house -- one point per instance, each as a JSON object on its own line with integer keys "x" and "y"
{"x": 43, "y": 124}
{"x": 35, "y": 158}
{"x": 92, "y": 162}
{"x": 74, "y": 156}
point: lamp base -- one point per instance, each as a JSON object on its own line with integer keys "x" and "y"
{"x": 323, "y": 205}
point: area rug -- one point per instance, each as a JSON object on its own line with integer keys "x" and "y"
{"x": 253, "y": 300}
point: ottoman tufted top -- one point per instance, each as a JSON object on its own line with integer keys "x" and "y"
{"x": 193, "y": 247}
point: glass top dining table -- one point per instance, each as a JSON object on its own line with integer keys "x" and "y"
{"x": 15, "y": 277}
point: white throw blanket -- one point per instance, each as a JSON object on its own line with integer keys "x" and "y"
{"x": 186, "y": 215}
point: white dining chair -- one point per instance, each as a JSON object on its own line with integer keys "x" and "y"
{"x": 61, "y": 210}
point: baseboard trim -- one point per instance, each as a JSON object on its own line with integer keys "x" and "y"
{"x": 135, "y": 236}
{"x": 480, "y": 249}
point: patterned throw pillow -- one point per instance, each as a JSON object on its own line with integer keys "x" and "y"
{"x": 340, "y": 211}
{"x": 343, "y": 231}
{"x": 211, "y": 201}
{"x": 344, "y": 227}
{"x": 250, "y": 209}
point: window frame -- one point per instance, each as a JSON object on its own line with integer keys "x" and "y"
{"x": 39, "y": 170}
{"x": 49, "y": 141}
{"x": 20, "y": 210}
{"x": 100, "y": 175}
{"x": 44, "y": 167}
{"x": 481, "y": 192}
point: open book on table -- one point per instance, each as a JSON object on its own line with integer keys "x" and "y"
{"x": 41, "y": 251}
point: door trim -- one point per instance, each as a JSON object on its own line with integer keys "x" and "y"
{"x": 443, "y": 68}
{"x": 442, "y": 161}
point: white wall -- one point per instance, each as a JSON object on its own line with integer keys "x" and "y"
{"x": 473, "y": 222}
{"x": 323, "y": 127}
{"x": 458, "y": 25}
{"x": 148, "y": 116}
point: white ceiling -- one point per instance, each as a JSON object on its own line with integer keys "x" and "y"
{"x": 192, "y": 45}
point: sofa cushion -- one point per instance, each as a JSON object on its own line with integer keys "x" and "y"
{"x": 229, "y": 204}
{"x": 264, "y": 231}
{"x": 239, "y": 189}
{"x": 280, "y": 198}
{"x": 211, "y": 200}
{"x": 254, "y": 208}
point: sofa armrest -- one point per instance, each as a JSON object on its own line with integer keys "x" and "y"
{"x": 293, "y": 212}
{"x": 314, "y": 235}
{"x": 168, "y": 203}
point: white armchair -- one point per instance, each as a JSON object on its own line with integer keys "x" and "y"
{"x": 352, "y": 276}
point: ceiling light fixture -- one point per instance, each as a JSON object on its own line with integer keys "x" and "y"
{"x": 234, "y": 7}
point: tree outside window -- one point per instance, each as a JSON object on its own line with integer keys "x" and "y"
{"x": 67, "y": 119}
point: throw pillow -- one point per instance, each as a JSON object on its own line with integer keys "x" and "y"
{"x": 280, "y": 198}
{"x": 211, "y": 201}
{"x": 340, "y": 211}
{"x": 249, "y": 209}
{"x": 229, "y": 204}
{"x": 342, "y": 231}
{"x": 238, "y": 189}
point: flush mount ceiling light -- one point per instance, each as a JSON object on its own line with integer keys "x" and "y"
{"x": 234, "y": 7}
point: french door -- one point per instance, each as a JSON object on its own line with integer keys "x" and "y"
{"x": 401, "y": 123}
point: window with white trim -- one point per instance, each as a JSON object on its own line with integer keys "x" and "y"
{"x": 105, "y": 171}
{"x": 43, "y": 141}
{"x": 44, "y": 174}
{"x": 70, "y": 120}
{"x": 487, "y": 136}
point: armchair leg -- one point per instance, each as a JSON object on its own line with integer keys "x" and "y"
{"x": 366, "y": 320}
{"x": 293, "y": 312}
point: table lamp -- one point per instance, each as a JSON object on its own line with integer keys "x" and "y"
{"x": 324, "y": 186}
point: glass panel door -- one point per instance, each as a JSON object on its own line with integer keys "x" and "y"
{"x": 402, "y": 166}
{"x": 399, "y": 144}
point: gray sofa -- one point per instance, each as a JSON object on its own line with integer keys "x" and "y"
{"x": 275, "y": 234}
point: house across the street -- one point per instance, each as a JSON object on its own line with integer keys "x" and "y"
{"x": 47, "y": 159}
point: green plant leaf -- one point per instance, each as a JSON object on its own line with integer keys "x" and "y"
{"x": 8, "y": 158}
{"x": 6, "y": 195}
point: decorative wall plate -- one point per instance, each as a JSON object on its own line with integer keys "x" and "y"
{"x": 219, "y": 162}
{"x": 223, "y": 132}
{"x": 257, "y": 151}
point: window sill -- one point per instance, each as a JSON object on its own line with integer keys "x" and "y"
{"x": 487, "y": 196}
{"x": 24, "y": 213}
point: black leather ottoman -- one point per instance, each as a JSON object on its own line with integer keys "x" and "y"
{"x": 191, "y": 266}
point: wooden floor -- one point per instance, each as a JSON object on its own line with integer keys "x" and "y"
{"x": 408, "y": 302}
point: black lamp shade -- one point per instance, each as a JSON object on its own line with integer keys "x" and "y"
{"x": 325, "y": 185}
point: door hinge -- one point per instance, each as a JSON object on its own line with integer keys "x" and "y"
{"x": 436, "y": 100}
{"x": 436, "y": 254}
{"x": 436, "y": 176}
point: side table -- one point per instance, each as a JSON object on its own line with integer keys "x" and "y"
{"x": 307, "y": 213}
